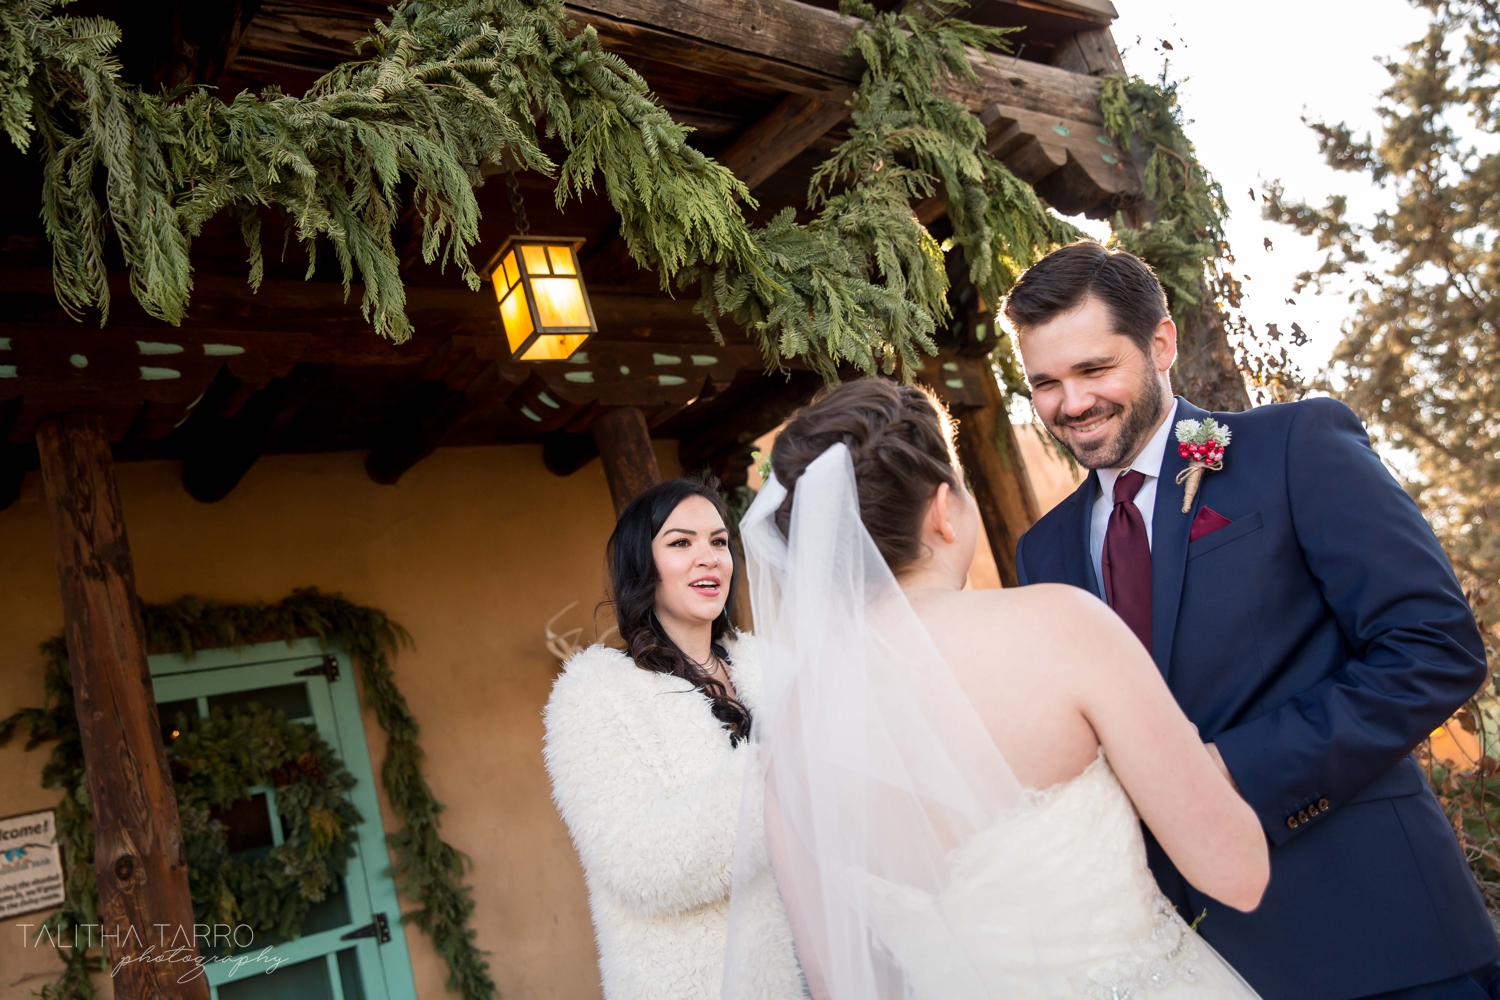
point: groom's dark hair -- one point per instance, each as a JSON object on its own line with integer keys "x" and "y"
{"x": 1062, "y": 280}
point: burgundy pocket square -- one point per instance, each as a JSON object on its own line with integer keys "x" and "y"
{"x": 1206, "y": 523}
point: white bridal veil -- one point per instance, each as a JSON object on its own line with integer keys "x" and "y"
{"x": 871, "y": 763}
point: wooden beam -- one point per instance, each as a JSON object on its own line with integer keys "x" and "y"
{"x": 455, "y": 383}
{"x": 991, "y": 456}
{"x": 224, "y": 449}
{"x": 1073, "y": 164}
{"x": 735, "y": 420}
{"x": 140, "y": 863}
{"x": 776, "y": 139}
{"x": 1090, "y": 52}
{"x": 565, "y": 452}
{"x": 14, "y": 458}
{"x": 15, "y": 461}
{"x": 802, "y": 48}
{"x": 625, "y": 448}
{"x": 419, "y": 425}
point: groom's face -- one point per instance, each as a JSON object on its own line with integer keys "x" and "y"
{"x": 1098, "y": 391}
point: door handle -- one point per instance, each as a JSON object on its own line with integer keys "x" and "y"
{"x": 379, "y": 929}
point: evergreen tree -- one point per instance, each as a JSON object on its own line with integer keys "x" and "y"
{"x": 1419, "y": 356}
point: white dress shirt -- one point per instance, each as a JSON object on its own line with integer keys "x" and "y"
{"x": 1147, "y": 462}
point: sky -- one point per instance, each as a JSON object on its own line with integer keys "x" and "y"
{"x": 1249, "y": 73}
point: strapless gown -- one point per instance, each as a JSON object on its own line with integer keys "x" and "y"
{"x": 1054, "y": 900}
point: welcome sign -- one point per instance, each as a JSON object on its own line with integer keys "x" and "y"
{"x": 31, "y": 876}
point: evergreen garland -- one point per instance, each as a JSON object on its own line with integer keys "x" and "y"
{"x": 908, "y": 142}
{"x": 427, "y": 870}
{"x": 1185, "y": 241}
{"x": 451, "y": 86}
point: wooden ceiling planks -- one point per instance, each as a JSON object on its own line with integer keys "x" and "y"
{"x": 296, "y": 367}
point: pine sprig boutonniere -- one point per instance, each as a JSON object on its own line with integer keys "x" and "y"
{"x": 1202, "y": 443}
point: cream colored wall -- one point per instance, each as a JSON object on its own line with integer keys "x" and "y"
{"x": 472, "y": 551}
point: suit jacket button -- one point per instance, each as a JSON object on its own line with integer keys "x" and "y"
{"x": 1302, "y": 816}
{"x": 1322, "y": 805}
{"x": 1291, "y": 822}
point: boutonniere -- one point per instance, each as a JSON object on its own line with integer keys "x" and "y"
{"x": 1202, "y": 443}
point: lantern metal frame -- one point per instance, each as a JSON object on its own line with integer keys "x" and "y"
{"x": 522, "y": 284}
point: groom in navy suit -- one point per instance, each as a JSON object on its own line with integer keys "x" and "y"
{"x": 1305, "y": 619}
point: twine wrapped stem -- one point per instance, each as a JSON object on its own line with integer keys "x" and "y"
{"x": 1192, "y": 476}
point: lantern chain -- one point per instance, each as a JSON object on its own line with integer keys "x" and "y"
{"x": 517, "y": 203}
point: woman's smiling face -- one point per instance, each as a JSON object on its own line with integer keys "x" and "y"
{"x": 693, "y": 562}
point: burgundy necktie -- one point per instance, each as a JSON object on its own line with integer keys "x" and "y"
{"x": 1127, "y": 558}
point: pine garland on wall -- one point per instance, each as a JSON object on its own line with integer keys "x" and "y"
{"x": 427, "y": 870}
{"x": 451, "y": 86}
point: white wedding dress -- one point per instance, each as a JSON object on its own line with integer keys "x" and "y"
{"x": 1053, "y": 900}
{"x": 920, "y": 868}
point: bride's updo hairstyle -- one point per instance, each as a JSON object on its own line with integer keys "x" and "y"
{"x": 901, "y": 440}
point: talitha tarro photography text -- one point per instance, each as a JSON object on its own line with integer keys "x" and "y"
{"x": 194, "y": 948}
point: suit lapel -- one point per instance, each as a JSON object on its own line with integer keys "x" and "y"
{"x": 1169, "y": 543}
{"x": 1078, "y": 564}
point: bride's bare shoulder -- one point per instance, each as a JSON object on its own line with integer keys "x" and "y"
{"x": 1056, "y": 615}
{"x": 1040, "y": 598}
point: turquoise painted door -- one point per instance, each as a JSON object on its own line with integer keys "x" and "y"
{"x": 352, "y": 945}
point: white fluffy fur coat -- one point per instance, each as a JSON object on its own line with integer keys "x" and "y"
{"x": 646, "y": 780}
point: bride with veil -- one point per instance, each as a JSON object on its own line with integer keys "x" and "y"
{"x": 952, "y": 782}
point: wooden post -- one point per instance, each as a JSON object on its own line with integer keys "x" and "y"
{"x": 139, "y": 860}
{"x": 991, "y": 455}
{"x": 625, "y": 449}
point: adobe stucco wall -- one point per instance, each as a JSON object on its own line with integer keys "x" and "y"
{"x": 472, "y": 552}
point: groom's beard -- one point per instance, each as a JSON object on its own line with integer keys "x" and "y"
{"x": 1138, "y": 420}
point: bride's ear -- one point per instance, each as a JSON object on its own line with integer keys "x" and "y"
{"x": 937, "y": 513}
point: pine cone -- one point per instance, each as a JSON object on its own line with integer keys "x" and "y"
{"x": 285, "y": 774}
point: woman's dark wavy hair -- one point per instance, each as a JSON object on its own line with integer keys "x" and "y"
{"x": 632, "y": 583}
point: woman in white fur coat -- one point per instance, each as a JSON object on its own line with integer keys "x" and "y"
{"x": 646, "y": 750}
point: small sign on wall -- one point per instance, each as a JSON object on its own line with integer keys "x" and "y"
{"x": 31, "y": 875}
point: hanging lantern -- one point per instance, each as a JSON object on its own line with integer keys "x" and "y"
{"x": 544, "y": 306}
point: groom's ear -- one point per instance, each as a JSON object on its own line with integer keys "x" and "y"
{"x": 1164, "y": 344}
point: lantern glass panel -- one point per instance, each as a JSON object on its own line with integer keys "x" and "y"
{"x": 512, "y": 274}
{"x": 562, "y": 260}
{"x": 536, "y": 259}
{"x": 554, "y": 348}
{"x": 559, "y": 303}
{"x": 517, "y": 319}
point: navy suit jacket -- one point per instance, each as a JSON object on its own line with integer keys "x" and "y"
{"x": 1316, "y": 639}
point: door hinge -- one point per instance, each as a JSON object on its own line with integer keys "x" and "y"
{"x": 379, "y": 929}
{"x": 329, "y": 668}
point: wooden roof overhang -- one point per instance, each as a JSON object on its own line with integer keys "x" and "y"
{"x": 295, "y": 367}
